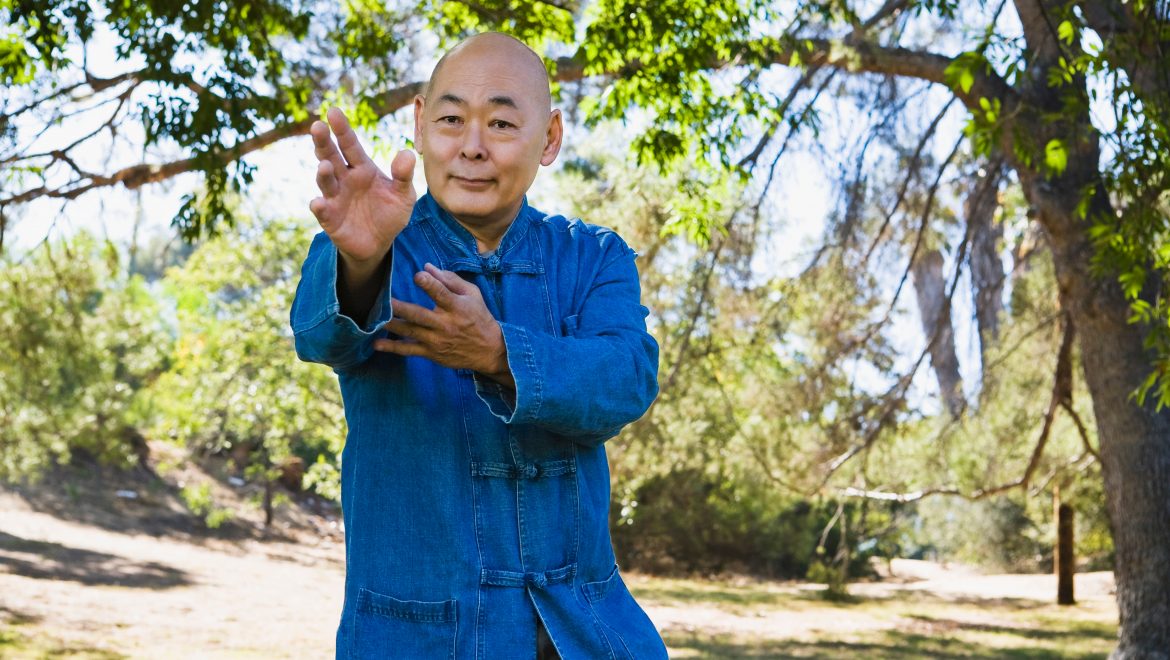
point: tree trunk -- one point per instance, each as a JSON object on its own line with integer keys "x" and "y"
{"x": 1135, "y": 461}
{"x": 1135, "y": 440}
{"x": 1064, "y": 555}
{"x": 987, "y": 274}
{"x": 935, "y": 311}
{"x": 268, "y": 485}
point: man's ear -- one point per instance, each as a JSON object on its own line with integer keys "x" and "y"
{"x": 419, "y": 108}
{"x": 552, "y": 145}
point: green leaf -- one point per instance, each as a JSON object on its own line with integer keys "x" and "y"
{"x": 960, "y": 73}
{"x": 1055, "y": 157}
{"x": 1066, "y": 32}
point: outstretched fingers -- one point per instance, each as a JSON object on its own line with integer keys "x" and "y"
{"x": 402, "y": 171}
{"x": 324, "y": 147}
{"x": 443, "y": 286}
{"x": 327, "y": 179}
{"x": 413, "y": 314}
{"x": 347, "y": 139}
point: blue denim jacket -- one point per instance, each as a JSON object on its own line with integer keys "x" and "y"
{"x": 469, "y": 511}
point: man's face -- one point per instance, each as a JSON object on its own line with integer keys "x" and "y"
{"x": 483, "y": 130}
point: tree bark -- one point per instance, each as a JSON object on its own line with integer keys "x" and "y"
{"x": 1064, "y": 553}
{"x": 935, "y": 311}
{"x": 987, "y": 275}
{"x": 1135, "y": 440}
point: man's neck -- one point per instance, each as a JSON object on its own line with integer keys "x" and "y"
{"x": 487, "y": 234}
{"x": 486, "y": 241}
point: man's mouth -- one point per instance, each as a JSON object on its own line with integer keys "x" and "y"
{"x": 471, "y": 181}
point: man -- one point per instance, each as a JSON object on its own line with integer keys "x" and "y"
{"x": 475, "y": 487}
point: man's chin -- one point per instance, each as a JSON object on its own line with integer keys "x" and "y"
{"x": 466, "y": 208}
{"x": 470, "y": 211}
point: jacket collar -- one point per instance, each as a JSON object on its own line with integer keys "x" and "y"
{"x": 459, "y": 250}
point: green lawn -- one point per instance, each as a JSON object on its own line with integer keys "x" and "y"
{"x": 794, "y": 621}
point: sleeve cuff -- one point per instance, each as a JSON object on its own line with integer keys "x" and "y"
{"x": 321, "y": 332}
{"x": 524, "y": 405}
{"x": 382, "y": 311}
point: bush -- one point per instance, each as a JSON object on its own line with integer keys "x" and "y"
{"x": 688, "y": 522}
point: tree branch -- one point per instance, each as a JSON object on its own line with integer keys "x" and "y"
{"x": 851, "y": 57}
{"x": 911, "y": 173}
{"x": 864, "y": 57}
{"x": 1060, "y": 395}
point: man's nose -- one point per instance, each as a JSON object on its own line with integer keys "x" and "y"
{"x": 473, "y": 147}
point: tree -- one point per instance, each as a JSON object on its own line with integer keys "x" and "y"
{"x": 233, "y": 387}
{"x": 726, "y": 470}
{"x": 80, "y": 347}
{"x": 1030, "y": 76}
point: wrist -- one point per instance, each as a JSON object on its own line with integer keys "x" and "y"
{"x": 499, "y": 370}
{"x": 367, "y": 265}
{"x": 356, "y": 272}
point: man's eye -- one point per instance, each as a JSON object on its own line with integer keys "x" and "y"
{"x": 449, "y": 119}
{"x": 500, "y": 123}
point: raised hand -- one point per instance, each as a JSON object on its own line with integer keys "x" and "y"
{"x": 361, "y": 209}
{"x": 459, "y": 332}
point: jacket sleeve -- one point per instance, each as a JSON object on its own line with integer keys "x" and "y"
{"x": 321, "y": 333}
{"x": 590, "y": 383}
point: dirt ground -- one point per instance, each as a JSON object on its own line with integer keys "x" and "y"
{"x": 91, "y": 574}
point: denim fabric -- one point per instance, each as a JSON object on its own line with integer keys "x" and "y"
{"x": 469, "y": 510}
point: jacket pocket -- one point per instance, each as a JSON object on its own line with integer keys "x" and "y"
{"x": 385, "y": 627}
{"x": 630, "y": 632}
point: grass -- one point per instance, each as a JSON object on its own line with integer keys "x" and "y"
{"x": 17, "y": 645}
{"x": 775, "y": 620}
{"x": 729, "y": 619}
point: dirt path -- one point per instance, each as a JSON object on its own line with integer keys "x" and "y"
{"x": 80, "y": 586}
{"x": 158, "y": 598}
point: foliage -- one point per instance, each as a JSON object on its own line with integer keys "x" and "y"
{"x": 199, "y": 501}
{"x": 763, "y": 421}
{"x": 81, "y": 343}
{"x": 726, "y": 470}
{"x": 997, "y": 534}
{"x": 235, "y": 386}
{"x": 217, "y": 81}
{"x": 686, "y": 522}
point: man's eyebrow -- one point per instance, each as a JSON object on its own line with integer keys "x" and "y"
{"x": 504, "y": 101}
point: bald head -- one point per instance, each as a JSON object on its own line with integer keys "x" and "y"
{"x": 478, "y": 49}
{"x": 483, "y": 128}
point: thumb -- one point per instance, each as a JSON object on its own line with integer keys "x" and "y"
{"x": 402, "y": 170}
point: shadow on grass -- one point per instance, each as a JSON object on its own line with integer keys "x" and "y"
{"x": 54, "y": 561}
{"x": 667, "y": 592}
{"x": 922, "y": 596}
{"x": 1061, "y": 632}
{"x": 684, "y": 593}
{"x": 85, "y": 492}
{"x": 19, "y": 640}
{"x": 14, "y": 617}
{"x": 892, "y": 645}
